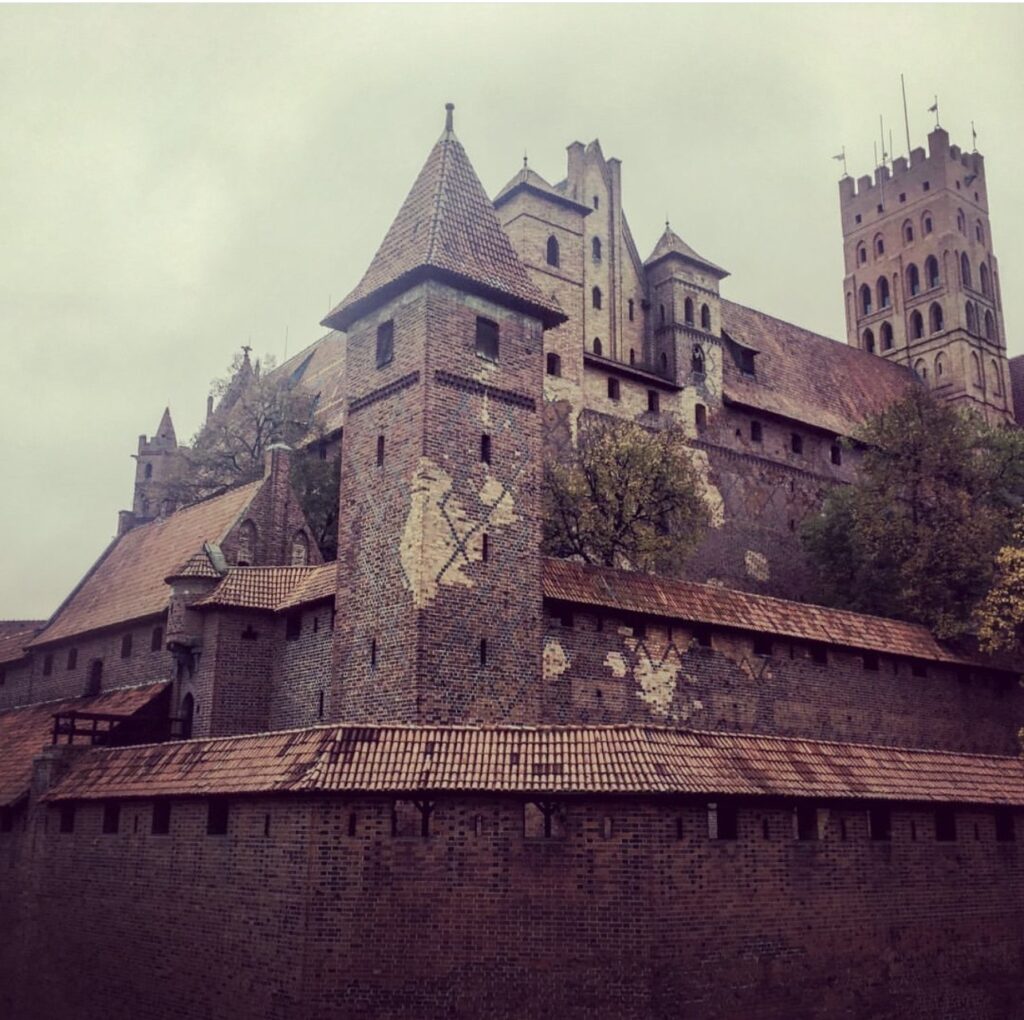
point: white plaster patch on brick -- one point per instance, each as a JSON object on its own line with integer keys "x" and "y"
{"x": 616, "y": 662}
{"x": 499, "y": 499}
{"x": 625, "y": 631}
{"x": 557, "y": 387}
{"x": 485, "y": 410}
{"x": 712, "y": 497}
{"x": 554, "y": 662}
{"x": 658, "y": 681}
{"x": 757, "y": 565}
{"x": 428, "y": 542}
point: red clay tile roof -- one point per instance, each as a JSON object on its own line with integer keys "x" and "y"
{"x": 198, "y": 565}
{"x": 14, "y": 636}
{"x": 273, "y": 588}
{"x": 548, "y": 760}
{"x": 24, "y": 732}
{"x": 670, "y": 243}
{"x": 446, "y": 228}
{"x": 807, "y": 377}
{"x": 127, "y": 582}
{"x": 724, "y": 607}
{"x": 320, "y": 370}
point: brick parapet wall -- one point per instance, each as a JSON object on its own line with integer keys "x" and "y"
{"x": 631, "y": 670}
{"x": 311, "y": 908}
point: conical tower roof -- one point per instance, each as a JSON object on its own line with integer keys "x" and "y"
{"x": 670, "y": 243}
{"x": 447, "y": 230}
{"x": 165, "y": 430}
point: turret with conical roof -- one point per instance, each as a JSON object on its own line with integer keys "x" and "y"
{"x": 439, "y": 572}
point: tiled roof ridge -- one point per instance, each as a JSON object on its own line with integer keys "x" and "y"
{"x": 776, "y": 599}
{"x": 289, "y": 580}
{"x": 639, "y": 728}
{"x": 87, "y": 697}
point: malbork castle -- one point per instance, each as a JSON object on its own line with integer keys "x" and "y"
{"x": 446, "y": 776}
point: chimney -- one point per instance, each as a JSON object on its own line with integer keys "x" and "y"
{"x": 277, "y": 460}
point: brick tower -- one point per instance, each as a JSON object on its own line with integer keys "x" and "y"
{"x": 156, "y": 466}
{"x": 439, "y": 574}
{"x": 922, "y": 282}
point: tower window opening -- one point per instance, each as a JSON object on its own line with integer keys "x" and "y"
{"x": 926, "y": 224}
{"x": 149, "y": 471}
{"x": 965, "y": 269}
{"x": 67, "y": 817}
{"x": 688, "y": 311}
{"x": 1005, "y": 828}
{"x": 632, "y": 356}
{"x": 700, "y": 414}
{"x": 217, "y": 811}
{"x": 961, "y": 221}
{"x": 161, "y": 821}
{"x": 483, "y": 651}
{"x": 653, "y": 401}
{"x": 880, "y": 822}
{"x": 879, "y": 243}
{"x": 126, "y": 646}
{"x": 320, "y": 705}
{"x": 485, "y": 448}
{"x": 487, "y": 339}
{"x": 595, "y": 248}
{"x": 723, "y": 820}
{"x": 705, "y": 317}
{"x": 926, "y": 186}
{"x": 886, "y": 334}
{"x": 862, "y": 254}
{"x": 870, "y": 661}
{"x": 661, "y": 313}
{"x": 945, "y": 824}
{"x": 629, "y": 309}
{"x": 111, "y": 818}
{"x": 373, "y": 653}
{"x": 597, "y": 202}
{"x": 806, "y": 817}
{"x": 883, "y": 292}
{"x": 983, "y": 272}
{"x": 385, "y": 343}
{"x": 300, "y": 549}
{"x": 47, "y": 664}
{"x": 990, "y": 326}
{"x": 763, "y": 645}
{"x": 598, "y": 348}
{"x": 931, "y": 271}
{"x": 614, "y": 390}
{"x": 554, "y": 364}
{"x": 913, "y": 280}
{"x": 796, "y": 443}
{"x": 972, "y": 319}
{"x": 865, "y": 299}
{"x": 697, "y": 360}
{"x": 380, "y": 451}
{"x": 156, "y": 639}
{"x": 869, "y": 341}
{"x": 293, "y": 627}
{"x": 552, "y": 252}
{"x": 72, "y": 658}
{"x": 979, "y": 232}
{"x": 756, "y": 432}
{"x": 935, "y": 317}
{"x": 908, "y": 232}
{"x": 664, "y": 362}
{"x": 836, "y": 454}
{"x": 916, "y": 326}
{"x": 595, "y": 297}
{"x": 485, "y": 547}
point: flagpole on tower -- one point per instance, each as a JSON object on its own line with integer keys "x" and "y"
{"x": 934, "y": 108}
{"x": 906, "y": 119}
{"x": 842, "y": 158}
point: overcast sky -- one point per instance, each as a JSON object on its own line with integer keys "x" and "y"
{"x": 177, "y": 181}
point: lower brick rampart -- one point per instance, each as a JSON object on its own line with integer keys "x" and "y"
{"x": 311, "y": 908}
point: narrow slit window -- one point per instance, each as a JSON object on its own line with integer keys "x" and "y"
{"x": 320, "y": 705}
{"x": 485, "y": 449}
{"x": 373, "y": 653}
{"x": 485, "y": 547}
{"x": 380, "y": 451}
{"x": 483, "y": 651}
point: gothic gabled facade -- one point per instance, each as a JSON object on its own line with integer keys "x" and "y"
{"x": 448, "y": 776}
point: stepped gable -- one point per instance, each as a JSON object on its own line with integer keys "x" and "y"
{"x": 447, "y": 230}
{"x": 548, "y": 760}
{"x": 127, "y": 582}
{"x": 1016, "y": 366}
{"x": 15, "y": 636}
{"x": 723, "y": 607}
{"x": 273, "y": 588}
{"x": 807, "y": 377}
{"x": 670, "y": 243}
{"x": 24, "y": 732}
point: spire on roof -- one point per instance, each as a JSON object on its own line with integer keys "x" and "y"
{"x": 670, "y": 243}
{"x": 446, "y": 229}
{"x": 165, "y": 430}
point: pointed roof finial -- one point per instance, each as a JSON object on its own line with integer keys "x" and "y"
{"x": 449, "y": 126}
{"x": 667, "y": 227}
{"x": 526, "y": 160}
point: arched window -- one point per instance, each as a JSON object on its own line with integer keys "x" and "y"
{"x": 926, "y": 224}
{"x": 664, "y": 362}
{"x": 632, "y": 356}
{"x": 697, "y": 360}
{"x": 148, "y": 473}
{"x": 883, "y": 292}
{"x": 908, "y": 232}
{"x": 931, "y": 271}
{"x": 983, "y": 273}
{"x": 979, "y": 232}
{"x": 940, "y": 366}
{"x": 869, "y": 341}
{"x": 595, "y": 249}
{"x": 865, "y": 299}
{"x": 246, "y": 544}
{"x": 975, "y": 369}
{"x": 688, "y": 311}
{"x": 935, "y": 317}
{"x": 972, "y": 319}
{"x": 990, "y": 326}
{"x": 965, "y": 269}
{"x": 598, "y": 349}
{"x": 595, "y": 297}
{"x": 913, "y": 280}
{"x": 879, "y": 245}
{"x": 705, "y": 317}
{"x": 300, "y": 549}
{"x": 553, "y": 251}
{"x": 921, "y": 369}
{"x": 862, "y": 254}
{"x": 554, "y": 364}
{"x": 916, "y": 326}
{"x": 629, "y": 307}
{"x": 186, "y": 715}
{"x": 997, "y": 379}
{"x": 885, "y": 334}
{"x": 961, "y": 221}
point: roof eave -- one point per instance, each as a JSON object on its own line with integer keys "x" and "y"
{"x": 553, "y": 196}
{"x": 716, "y": 271}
